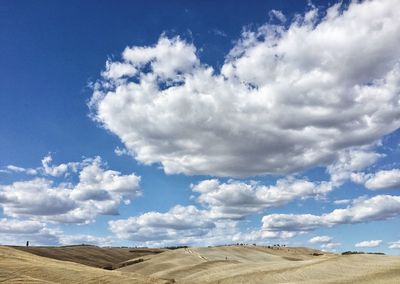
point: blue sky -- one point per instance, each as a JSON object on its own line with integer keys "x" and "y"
{"x": 200, "y": 123}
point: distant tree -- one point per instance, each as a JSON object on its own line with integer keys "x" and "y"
{"x": 352, "y": 252}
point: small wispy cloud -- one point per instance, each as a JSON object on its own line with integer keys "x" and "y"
{"x": 278, "y": 15}
{"x": 368, "y": 244}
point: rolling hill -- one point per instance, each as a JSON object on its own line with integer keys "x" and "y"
{"x": 250, "y": 264}
{"x": 91, "y": 255}
{"x": 17, "y": 266}
{"x": 224, "y": 264}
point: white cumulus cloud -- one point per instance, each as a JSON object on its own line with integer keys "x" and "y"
{"x": 384, "y": 179}
{"x": 363, "y": 210}
{"x": 18, "y": 232}
{"x": 98, "y": 191}
{"x": 180, "y": 222}
{"x": 287, "y": 98}
{"x": 236, "y": 200}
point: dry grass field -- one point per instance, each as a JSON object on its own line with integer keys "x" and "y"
{"x": 227, "y": 264}
{"x": 248, "y": 264}
{"x": 91, "y": 255}
{"x": 21, "y": 267}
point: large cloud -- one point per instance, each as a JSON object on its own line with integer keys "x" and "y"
{"x": 362, "y": 210}
{"x": 286, "y": 98}
{"x": 98, "y": 192}
{"x": 236, "y": 200}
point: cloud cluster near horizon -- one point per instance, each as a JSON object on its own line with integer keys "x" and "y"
{"x": 50, "y": 196}
{"x": 380, "y": 207}
{"x": 98, "y": 192}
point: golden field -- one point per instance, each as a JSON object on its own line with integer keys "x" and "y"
{"x": 225, "y": 264}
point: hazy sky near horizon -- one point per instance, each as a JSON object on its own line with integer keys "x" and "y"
{"x": 200, "y": 123}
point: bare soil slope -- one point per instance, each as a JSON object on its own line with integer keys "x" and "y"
{"x": 21, "y": 267}
{"x": 91, "y": 255}
{"x": 247, "y": 264}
